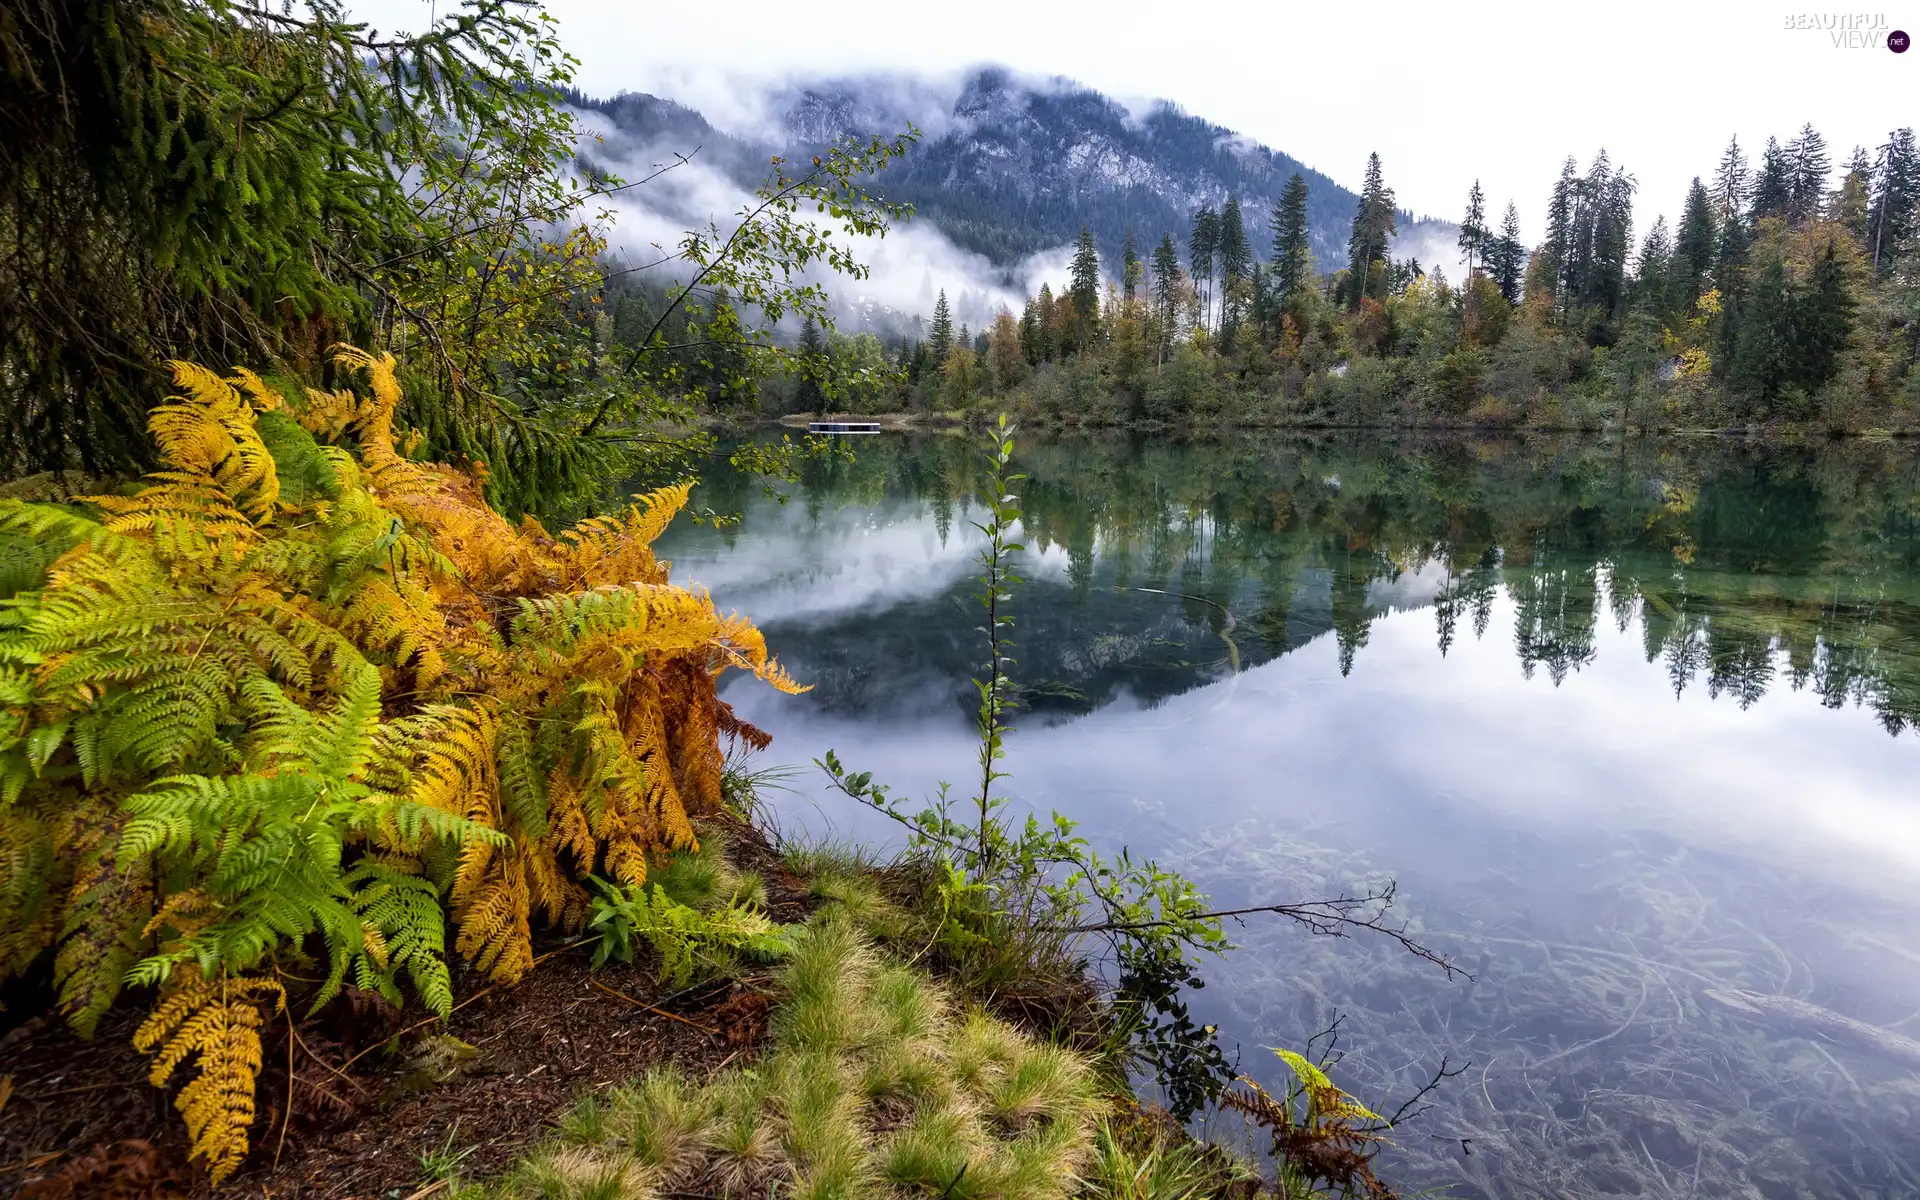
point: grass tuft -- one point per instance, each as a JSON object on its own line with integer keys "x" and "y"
{"x": 579, "y": 1174}
{"x": 666, "y": 1121}
{"x": 743, "y": 1142}
{"x": 826, "y": 983}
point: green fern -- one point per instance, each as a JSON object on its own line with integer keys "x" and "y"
{"x": 690, "y": 943}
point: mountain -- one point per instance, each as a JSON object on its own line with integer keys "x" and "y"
{"x": 1008, "y": 167}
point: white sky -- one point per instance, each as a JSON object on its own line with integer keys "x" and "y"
{"x": 1445, "y": 91}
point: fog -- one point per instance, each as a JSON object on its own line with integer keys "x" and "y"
{"x": 907, "y": 267}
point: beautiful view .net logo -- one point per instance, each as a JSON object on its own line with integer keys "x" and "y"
{"x": 1851, "y": 31}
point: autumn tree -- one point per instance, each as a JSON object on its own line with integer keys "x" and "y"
{"x": 1006, "y": 357}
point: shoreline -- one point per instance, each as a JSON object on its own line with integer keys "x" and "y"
{"x": 952, "y": 421}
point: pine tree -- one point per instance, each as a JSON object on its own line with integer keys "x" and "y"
{"x": 1203, "y": 246}
{"x": 1557, "y": 251}
{"x": 812, "y": 396}
{"x": 1598, "y": 244}
{"x": 1129, "y": 269}
{"x": 1807, "y": 167}
{"x": 1166, "y": 290}
{"x": 1852, "y": 203}
{"x": 1824, "y": 322}
{"x": 1507, "y": 256}
{"x": 1650, "y": 270}
{"x": 1730, "y": 184}
{"x": 1763, "y": 354}
{"x": 1792, "y": 333}
{"x": 1692, "y": 250}
{"x": 1236, "y": 264}
{"x": 1895, "y": 211}
{"x": 1373, "y": 230}
{"x": 1773, "y": 187}
{"x": 940, "y": 338}
{"x": 1085, "y": 289}
{"x": 1613, "y": 236}
{"x": 1236, "y": 258}
{"x": 1474, "y": 238}
{"x": 1290, "y": 247}
{"x": 1044, "y": 334}
{"x": 1030, "y": 333}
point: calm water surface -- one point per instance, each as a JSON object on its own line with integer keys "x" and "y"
{"x": 1628, "y": 725}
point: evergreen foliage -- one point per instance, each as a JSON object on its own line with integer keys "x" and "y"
{"x": 1085, "y": 289}
{"x": 1772, "y": 193}
{"x": 1292, "y": 259}
{"x": 208, "y": 180}
{"x": 1474, "y": 236}
{"x": 1895, "y": 213}
{"x": 1507, "y": 256}
{"x": 1373, "y": 230}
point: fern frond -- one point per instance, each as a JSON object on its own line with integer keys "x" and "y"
{"x": 288, "y": 696}
{"x": 216, "y": 1021}
{"x": 209, "y": 431}
{"x": 494, "y": 931}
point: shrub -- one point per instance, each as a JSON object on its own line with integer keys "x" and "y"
{"x": 287, "y": 703}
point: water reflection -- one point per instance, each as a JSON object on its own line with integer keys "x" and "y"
{"x": 1617, "y": 719}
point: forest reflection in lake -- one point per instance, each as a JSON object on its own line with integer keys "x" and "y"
{"x": 1627, "y": 722}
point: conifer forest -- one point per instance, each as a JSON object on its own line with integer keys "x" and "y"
{"x": 1247, "y": 712}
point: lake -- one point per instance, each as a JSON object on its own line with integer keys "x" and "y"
{"x": 1628, "y": 724}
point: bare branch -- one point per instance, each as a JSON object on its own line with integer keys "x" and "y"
{"x": 1407, "y": 1110}
{"x": 1337, "y": 917}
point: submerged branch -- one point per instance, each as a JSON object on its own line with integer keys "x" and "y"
{"x": 1329, "y": 918}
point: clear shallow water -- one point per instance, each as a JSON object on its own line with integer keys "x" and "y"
{"x": 1627, "y": 725}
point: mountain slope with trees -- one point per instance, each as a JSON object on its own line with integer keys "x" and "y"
{"x": 1012, "y": 167}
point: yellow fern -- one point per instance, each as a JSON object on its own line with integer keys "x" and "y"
{"x": 339, "y": 704}
{"x": 216, "y": 1021}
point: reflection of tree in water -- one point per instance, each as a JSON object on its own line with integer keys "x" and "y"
{"x": 1742, "y": 565}
{"x": 1601, "y": 1066}
{"x": 1557, "y": 609}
